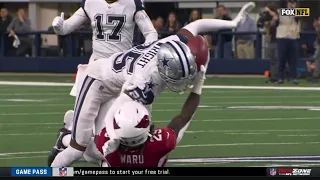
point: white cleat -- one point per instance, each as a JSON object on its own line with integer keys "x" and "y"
{"x": 68, "y": 119}
{"x": 243, "y": 12}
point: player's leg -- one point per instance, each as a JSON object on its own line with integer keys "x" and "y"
{"x": 86, "y": 110}
{"x": 92, "y": 154}
{"x": 242, "y": 14}
{"x": 63, "y": 138}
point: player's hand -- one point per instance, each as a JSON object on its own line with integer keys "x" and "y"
{"x": 201, "y": 74}
{"x": 200, "y": 77}
{"x": 110, "y": 146}
{"x": 137, "y": 81}
{"x": 57, "y": 23}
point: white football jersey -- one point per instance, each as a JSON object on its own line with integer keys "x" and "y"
{"x": 112, "y": 24}
{"x": 136, "y": 66}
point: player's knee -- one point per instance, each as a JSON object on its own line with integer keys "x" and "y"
{"x": 77, "y": 146}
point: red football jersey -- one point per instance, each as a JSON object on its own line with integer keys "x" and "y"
{"x": 154, "y": 154}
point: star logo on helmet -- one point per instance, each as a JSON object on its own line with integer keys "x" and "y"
{"x": 165, "y": 62}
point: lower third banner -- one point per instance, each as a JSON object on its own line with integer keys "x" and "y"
{"x": 41, "y": 171}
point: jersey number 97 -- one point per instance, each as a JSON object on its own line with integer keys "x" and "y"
{"x": 118, "y": 21}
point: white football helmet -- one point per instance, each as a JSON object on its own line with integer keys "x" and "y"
{"x": 132, "y": 124}
{"x": 177, "y": 65}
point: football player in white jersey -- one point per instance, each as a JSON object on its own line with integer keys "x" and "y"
{"x": 139, "y": 74}
{"x": 113, "y": 23}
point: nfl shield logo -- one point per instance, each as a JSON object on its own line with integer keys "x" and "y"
{"x": 273, "y": 172}
{"x": 62, "y": 171}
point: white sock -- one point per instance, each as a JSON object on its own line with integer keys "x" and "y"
{"x": 66, "y": 140}
{"x": 67, "y": 157}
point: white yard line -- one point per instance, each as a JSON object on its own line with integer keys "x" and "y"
{"x": 23, "y": 153}
{"x": 27, "y": 134}
{"x": 246, "y": 133}
{"x": 297, "y": 135}
{"x": 291, "y": 165}
{"x": 18, "y": 83}
{"x": 24, "y": 157}
{"x": 27, "y": 114}
{"x": 256, "y": 119}
{"x": 264, "y": 87}
{"x": 242, "y": 97}
{"x": 251, "y": 130}
{"x": 35, "y": 105}
{"x": 246, "y": 144}
{"x": 32, "y": 94}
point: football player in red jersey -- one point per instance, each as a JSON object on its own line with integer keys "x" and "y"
{"x": 139, "y": 144}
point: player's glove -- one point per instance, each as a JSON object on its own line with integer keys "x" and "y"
{"x": 137, "y": 81}
{"x": 110, "y": 146}
{"x": 200, "y": 77}
{"x": 57, "y": 23}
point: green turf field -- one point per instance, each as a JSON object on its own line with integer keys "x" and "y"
{"x": 278, "y": 123}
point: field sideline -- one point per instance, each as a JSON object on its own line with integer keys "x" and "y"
{"x": 237, "y": 124}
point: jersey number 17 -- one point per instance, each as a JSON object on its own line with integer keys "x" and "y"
{"x": 118, "y": 21}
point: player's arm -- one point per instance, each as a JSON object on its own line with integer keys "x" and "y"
{"x": 144, "y": 23}
{"x": 208, "y": 25}
{"x": 146, "y": 27}
{"x": 205, "y": 25}
{"x": 63, "y": 27}
{"x": 180, "y": 123}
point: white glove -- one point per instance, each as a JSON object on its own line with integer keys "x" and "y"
{"x": 200, "y": 77}
{"x": 57, "y": 23}
{"x": 110, "y": 146}
{"x": 137, "y": 81}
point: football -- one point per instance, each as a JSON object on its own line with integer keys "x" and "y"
{"x": 199, "y": 48}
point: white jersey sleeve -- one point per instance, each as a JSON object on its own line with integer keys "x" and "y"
{"x": 74, "y": 22}
{"x": 146, "y": 27}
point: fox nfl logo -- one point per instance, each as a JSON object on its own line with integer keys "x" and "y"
{"x": 295, "y": 12}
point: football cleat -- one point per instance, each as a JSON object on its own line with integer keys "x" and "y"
{"x": 58, "y": 147}
{"x": 243, "y": 12}
{"x": 68, "y": 119}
